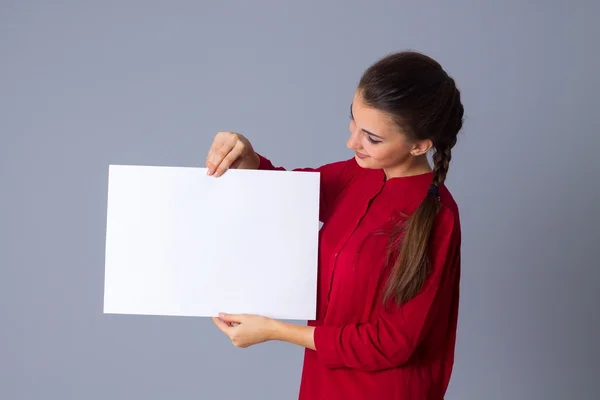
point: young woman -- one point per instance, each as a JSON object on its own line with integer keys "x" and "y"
{"x": 389, "y": 249}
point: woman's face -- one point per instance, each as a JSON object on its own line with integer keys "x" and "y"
{"x": 379, "y": 143}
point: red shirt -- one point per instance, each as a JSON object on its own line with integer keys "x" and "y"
{"x": 364, "y": 351}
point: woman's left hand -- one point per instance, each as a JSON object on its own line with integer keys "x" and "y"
{"x": 247, "y": 329}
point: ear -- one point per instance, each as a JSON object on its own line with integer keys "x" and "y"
{"x": 421, "y": 147}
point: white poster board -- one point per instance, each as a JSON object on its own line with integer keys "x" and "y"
{"x": 182, "y": 243}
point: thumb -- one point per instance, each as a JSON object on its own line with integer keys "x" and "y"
{"x": 231, "y": 317}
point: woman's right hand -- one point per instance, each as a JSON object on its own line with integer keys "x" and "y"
{"x": 230, "y": 150}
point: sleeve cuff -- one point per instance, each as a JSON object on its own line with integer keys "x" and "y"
{"x": 325, "y": 338}
{"x": 264, "y": 163}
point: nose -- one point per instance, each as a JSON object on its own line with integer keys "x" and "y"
{"x": 353, "y": 142}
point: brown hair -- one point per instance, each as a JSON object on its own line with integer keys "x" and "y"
{"x": 424, "y": 102}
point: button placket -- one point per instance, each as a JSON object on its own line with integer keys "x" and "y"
{"x": 334, "y": 257}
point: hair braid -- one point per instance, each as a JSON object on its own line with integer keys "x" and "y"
{"x": 425, "y": 103}
{"x": 441, "y": 164}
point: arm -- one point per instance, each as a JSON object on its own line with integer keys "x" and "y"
{"x": 295, "y": 334}
{"x": 233, "y": 150}
{"x": 390, "y": 340}
{"x": 387, "y": 342}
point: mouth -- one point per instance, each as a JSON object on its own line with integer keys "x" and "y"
{"x": 361, "y": 156}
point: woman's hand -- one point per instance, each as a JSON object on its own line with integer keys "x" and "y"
{"x": 246, "y": 330}
{"x": 230, "y": 150}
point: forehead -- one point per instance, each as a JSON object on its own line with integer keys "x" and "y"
{"x": 371, "y": 119}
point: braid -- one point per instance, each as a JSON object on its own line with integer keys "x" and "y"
{"x": 425, "y": 103}
{"x": 441, "y": 163}
{"x": 451, "y": 120}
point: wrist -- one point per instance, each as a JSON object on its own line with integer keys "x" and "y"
{"x": 255, "y": 160}
{"x": 276, "y": 330}
{"x": 250, "y": 161}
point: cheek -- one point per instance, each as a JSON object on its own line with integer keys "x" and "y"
{"x": 386, "y": 154}
{"x": 378, "y": 151}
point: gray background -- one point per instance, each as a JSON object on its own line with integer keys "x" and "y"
{"x": 84, "y": 84}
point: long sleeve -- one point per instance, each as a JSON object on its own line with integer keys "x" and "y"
{"x": 333, "y": 177}
{"x": 390, "y": 339}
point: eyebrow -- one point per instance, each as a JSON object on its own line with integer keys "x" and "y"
{"x": 364, "y": 130}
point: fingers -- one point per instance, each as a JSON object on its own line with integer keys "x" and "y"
{"x": 223, "y": 326}
{"x": 216, "y": 144}
{"x": 236, "y": 163}
{"x": 224, "y": 152}
{"x": 229, "y": 160}
{"x": 216, "y": 155}
{"x": 231, "y": 318}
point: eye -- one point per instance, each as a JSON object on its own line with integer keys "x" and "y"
{"x": 373, "y": 140}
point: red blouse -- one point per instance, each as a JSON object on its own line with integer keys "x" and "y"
{"x": 364, "y": 351}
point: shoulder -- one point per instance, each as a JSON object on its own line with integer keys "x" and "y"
{"x": 448, "y": 218}
{"x": 348, "y": 165}
{"x": 449, "y": 205}
{"x": 344, "y": 171}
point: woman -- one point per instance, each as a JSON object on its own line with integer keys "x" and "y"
{"x": 389, "y": 249}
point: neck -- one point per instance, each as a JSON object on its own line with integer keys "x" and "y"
{"x": 418, "y": 165}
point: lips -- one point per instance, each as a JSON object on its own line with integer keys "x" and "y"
{"x": 361, "y": 156}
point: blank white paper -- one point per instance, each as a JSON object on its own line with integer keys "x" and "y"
{"x": 181, "y": 243}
